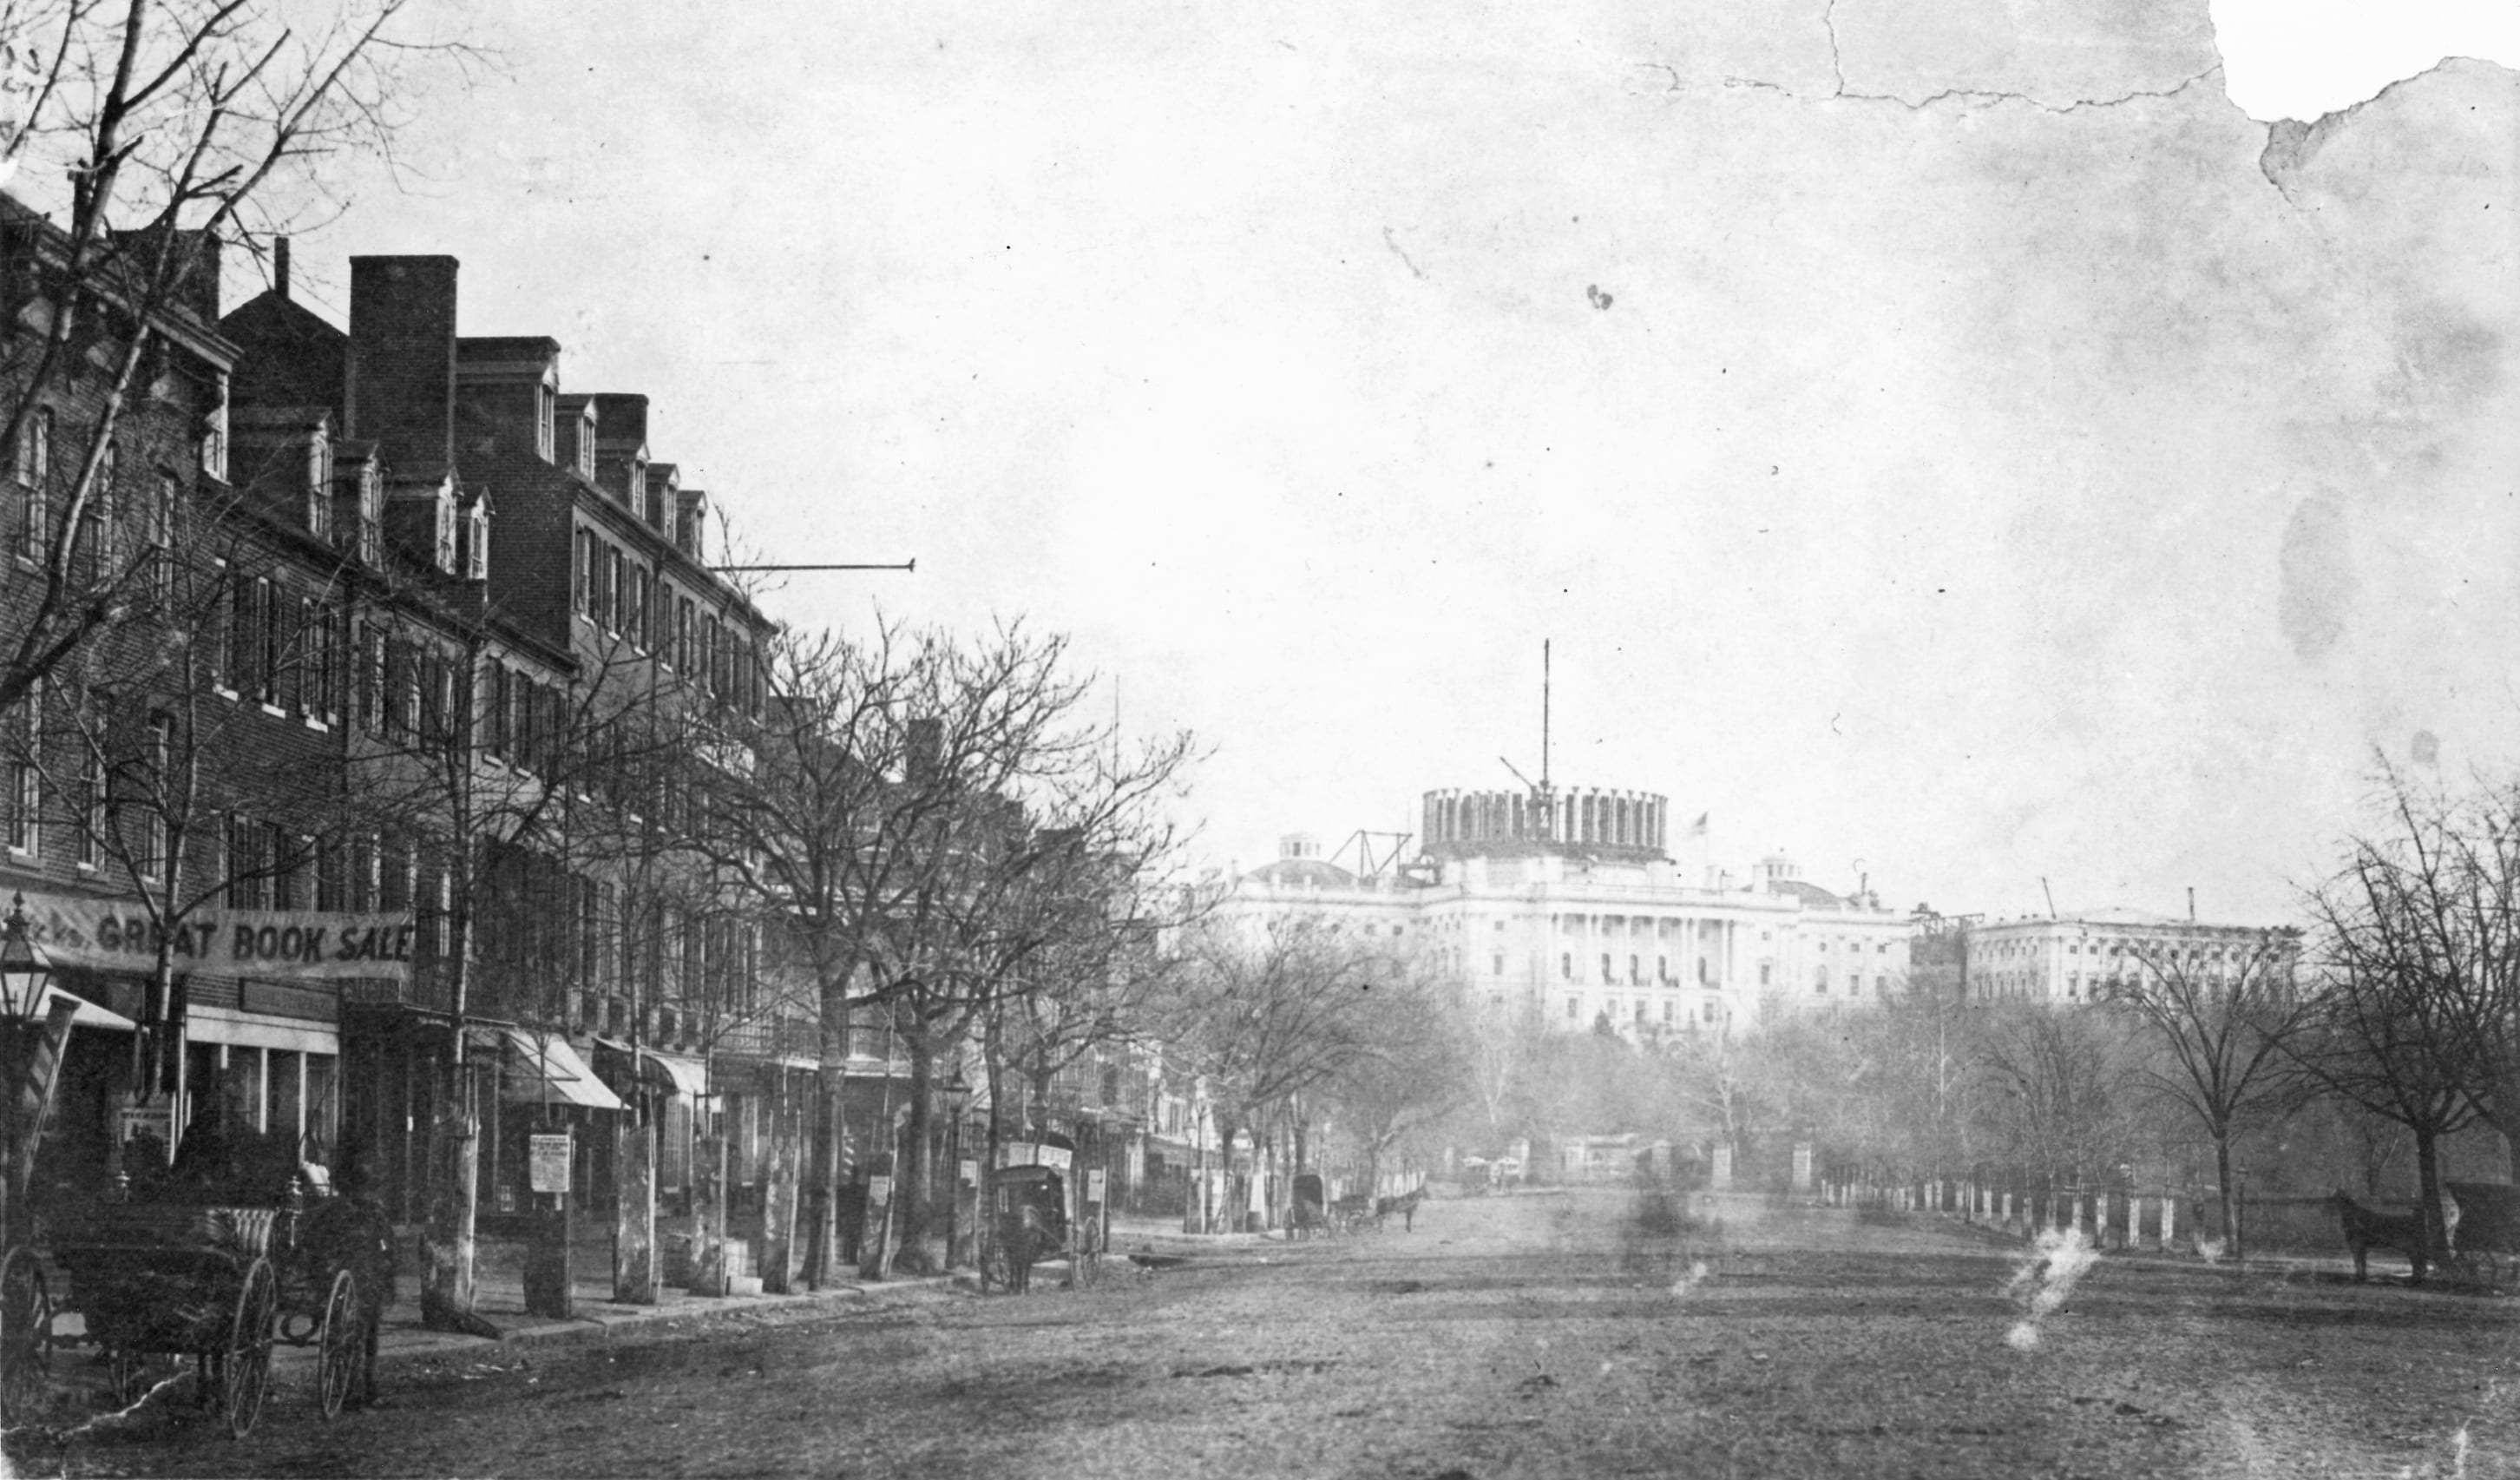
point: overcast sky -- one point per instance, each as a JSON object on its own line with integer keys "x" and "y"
{"x": 1915, "y": 453}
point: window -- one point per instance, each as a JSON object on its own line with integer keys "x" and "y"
{"x": 1662, "y": 970}
{"x": 362, "y": 879}
{"x": 372, "y": 689}
{"x": 1635, "y": 977}
{"x": 1608, "y": 975}
{"x": 320, "y": 667}
{"x": 89, "y": 802}
{"x": 151, "y": 852}
{"x": 162, "y": 542}
{"x": 332, "y": 876}
{"x": 616, "y": 594}
{"x": 1566, "y": 965}
{"x": 34, "y": 481}
{"x": 546, "y": 407}
{"x": 1820, "y": 980}
{"x": 636, "y": 625}
{"x": 215, "y": 437}
{"x": 288, "y": 855}
{"x": 1574, "y": 1009}
{"x": 249, "y": 863}
{"x": 583, "y": 594}
{"x": 1500, "y": 964}
{"x": 25, "y": 802}
{"x": 1762, "y": 974}
{"x": 1854, "y": 984}
{"x": 494, "y": 728}
{"x": 99, "y": 520}
{"x": 319, "y": 486}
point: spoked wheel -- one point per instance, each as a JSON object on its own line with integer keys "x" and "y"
{"x": 340, "y": 1345}
{"x": 244, "y": 1368}
{"x": 26, "y": 1336}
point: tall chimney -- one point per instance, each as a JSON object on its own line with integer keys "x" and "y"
{"x": 2191, "y": 904}
{"x": 402, "y": 361}
{"x": 279, "y": 265}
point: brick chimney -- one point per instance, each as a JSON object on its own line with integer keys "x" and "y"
{"x": 402, "y": 361}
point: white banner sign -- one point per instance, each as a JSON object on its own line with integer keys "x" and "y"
{"x": 275, "y": 944}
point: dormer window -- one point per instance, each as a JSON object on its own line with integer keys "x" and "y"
{"x": 545, "y": 415}
{"x": 318, "y": 485}
{"x": 586, "y": 442}
{"x": 214, "y": 436}
{"x": 637, "y": 493}
{"x": 476, "y": 541}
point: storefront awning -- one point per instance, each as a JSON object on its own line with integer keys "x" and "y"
{"x": 89, "y": 1015}
{"x": 688, "y": 1077}
{"x": 547, "y": 1071}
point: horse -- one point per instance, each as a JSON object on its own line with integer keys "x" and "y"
{"x": 1024, "y": 1235}
{"x": 2368, "y": 1228}
{"x": 351, "y": 1231}
{"x": 1406, "y": 1206}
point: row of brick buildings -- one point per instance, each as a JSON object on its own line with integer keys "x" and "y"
{"x": 396, "y": 624}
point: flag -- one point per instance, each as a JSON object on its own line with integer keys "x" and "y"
{"x": 1697, "y": 829}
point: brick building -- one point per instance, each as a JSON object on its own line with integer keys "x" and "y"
{"x": 539, "y": 651}
{"x": 191, "y": 742}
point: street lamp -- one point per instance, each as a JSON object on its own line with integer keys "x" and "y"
{"x": 25, "y": 968}
{"x": 23, "y": 971}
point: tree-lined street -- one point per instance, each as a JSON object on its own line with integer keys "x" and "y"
{"x": 1541, "y": 1334}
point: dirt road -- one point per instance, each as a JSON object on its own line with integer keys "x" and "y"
{"x": 1532, "y": 1335}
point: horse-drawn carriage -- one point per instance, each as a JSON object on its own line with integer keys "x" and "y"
{"x": 217, "y": 1272}
{"x": 1037, "y": 1212}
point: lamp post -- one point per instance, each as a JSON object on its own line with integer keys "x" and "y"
{"x": 24, "y": 969}
{"x": 957, "y": 1097}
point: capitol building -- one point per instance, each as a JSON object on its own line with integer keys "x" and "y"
{"x": 1568, "y": 903}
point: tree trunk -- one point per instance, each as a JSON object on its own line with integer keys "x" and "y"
{"x": 454, "y": 1165}
{"x": 822, "y": 1184}
{"x": 633, "y": 1227}
{"x": 779, "y": 1194}
{"x": 2223, "y": 1184}
{"x": 708, "y": 1216}
{"x": 917, "y": 1164}
{"x": 2428, "y": 1201}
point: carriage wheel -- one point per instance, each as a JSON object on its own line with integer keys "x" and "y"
{"x": 26, "y": 1335}
{"x": 340, "y": 1345}
{"x": 246, "y": 1369}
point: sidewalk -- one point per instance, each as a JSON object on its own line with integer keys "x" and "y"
{"x": 499, "y": 1298}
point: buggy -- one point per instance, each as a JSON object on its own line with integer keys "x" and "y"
{"x": 217, "y": 1280}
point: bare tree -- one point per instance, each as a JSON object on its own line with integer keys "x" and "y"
{"x": 2064, "y": 1087}
{"x": 1413, "y": 1065}
{"x": 2413, "y": 942}
{"x": 900, "y": 783}
{"x": 1268, "y": 1014}
{"x": 161, "y": 131}
{"x": 2224, "y": 1030}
